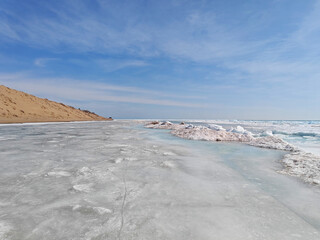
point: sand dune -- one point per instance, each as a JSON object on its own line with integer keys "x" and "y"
{"x": 19, "y": 107}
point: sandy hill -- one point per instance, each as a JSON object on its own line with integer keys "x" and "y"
{"x": 19, "y": 107}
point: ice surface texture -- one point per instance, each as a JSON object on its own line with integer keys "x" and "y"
{"x": 297, "y": 162}
{"x": 114, "y": 180}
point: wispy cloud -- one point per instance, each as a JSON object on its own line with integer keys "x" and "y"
{"x": 42, "y": 62}
{"x": 73, "y": 25}
{"x": 75, "y": 90}
{"x": 195, "y": 35}
{"x": 7, "y": 31}
{"x": 308, "y": 32}
{"x": 111, "y": 65}
{"x": 226, "y": 53}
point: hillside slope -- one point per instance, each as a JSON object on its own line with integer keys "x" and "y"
{"x": 19, "y": 107}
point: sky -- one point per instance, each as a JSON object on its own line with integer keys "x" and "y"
{"x": 216, "y": 59}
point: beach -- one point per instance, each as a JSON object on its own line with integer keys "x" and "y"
{"x": 120, "y": 180}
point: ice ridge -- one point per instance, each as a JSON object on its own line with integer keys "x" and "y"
{"x": 296, "y": 163}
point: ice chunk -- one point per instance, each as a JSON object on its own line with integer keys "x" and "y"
{"x": 303, "y": 165}
{"x": 168, "y": 164}
{"x": 266, "y": 133}
{"x": 272, "y": 143}
{"x": 118, "y": 160}
{"x": 83, "y": 187}
{"x": 238, "y": 129}
{"x": 102, "y": 210}
{"x": 166, "y": 123}
{"x": 207, "y": 134}
{"x": 216, "y": 127}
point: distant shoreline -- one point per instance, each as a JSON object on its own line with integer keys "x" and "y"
{"x": 51, "y": 121}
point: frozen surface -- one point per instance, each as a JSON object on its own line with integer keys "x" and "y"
{"x": 303, "y": 134}
{"x": 117, "y": 180}
{"x": 298, "y": 161}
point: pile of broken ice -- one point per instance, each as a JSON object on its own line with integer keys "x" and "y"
{"x": 297, "y": 162}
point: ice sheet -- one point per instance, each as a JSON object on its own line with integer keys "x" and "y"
{"x": 117, "y": 180}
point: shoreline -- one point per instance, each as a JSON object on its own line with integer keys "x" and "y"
{"x": 51, "y": 122}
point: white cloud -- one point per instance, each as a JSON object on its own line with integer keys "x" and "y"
{"x": 193, "y": 35}
{"x": 74, "y": 90}
{"x": 196, "y": 36}
{"x": 308, "y": 31}
{"x": 6, "y": 30}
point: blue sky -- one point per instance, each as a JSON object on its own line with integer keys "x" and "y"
{"x": 218, "y": 59}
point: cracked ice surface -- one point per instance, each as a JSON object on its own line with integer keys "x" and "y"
{"x": 115, "y": 180}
